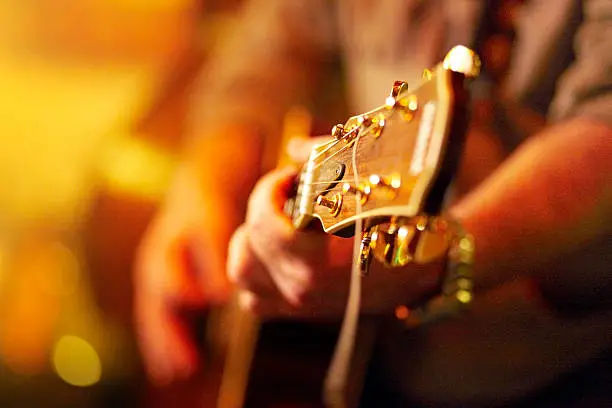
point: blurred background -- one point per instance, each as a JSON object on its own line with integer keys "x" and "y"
{"x": 93, "y": 95}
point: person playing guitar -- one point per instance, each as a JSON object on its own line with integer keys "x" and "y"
{"x": 537, "y": 203}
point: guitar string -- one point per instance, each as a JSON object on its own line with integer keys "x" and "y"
{"x": 331, "y": 143}
{"x": 386, "y": 113}
{"x": 335, "y": 384}
{"x": 360, "y": 133}
{"x": 332, "y": 182}
{"x": 348, "y": 146}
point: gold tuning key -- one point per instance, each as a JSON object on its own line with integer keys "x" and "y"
{"x": 362, "y": 191}
{"x": 364, "y": 120}
{"x": 407, "y": 106}
{"x": 334, "y": 204}
{"x": 338, "y": 132}
{"x": 392, "y": 183}
{"x": 398, "y": 88}
{"x": 365, "y": 250}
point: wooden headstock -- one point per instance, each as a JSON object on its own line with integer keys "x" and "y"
{"x": 405, "y": 153}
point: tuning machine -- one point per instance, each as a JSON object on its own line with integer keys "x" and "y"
{"x": 333, "y": 203}
{"x": 402, "y": 241}
{"x": 407, "y": 105}
{"x": 338, "y": 131}
{"x": 388, "y": 243}
{"x": 362, "y": 191}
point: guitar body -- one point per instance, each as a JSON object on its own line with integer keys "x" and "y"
{"x": 408, "y": 152}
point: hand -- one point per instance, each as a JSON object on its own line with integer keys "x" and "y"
{"x": 281, "y": 271}
{"x": 178, "y": 273}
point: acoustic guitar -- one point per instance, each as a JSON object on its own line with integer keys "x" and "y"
{"x": 388, "y": 168}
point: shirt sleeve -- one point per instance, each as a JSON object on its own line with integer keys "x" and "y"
{"x": 268, "y": 62}
{"x": 585, "y": 89}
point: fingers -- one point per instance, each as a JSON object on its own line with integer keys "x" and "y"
{"x": 245, "y": 270}
{"x": 269, "y": 260}
{"x": 271, "y": 237}
{"x": 166, "y": 287}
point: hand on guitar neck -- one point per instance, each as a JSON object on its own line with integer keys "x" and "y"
{"x": 285, "y": 272}
{"x": 406, "y": 151}
{"x": 387, "y": 170}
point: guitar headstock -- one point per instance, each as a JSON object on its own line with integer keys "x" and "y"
{"x": 405, "y": 152}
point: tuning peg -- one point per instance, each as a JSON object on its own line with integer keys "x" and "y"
{"x": 362, "y": 191}
{"x": 387, "y": 243}
{"x": 364, "y": 120}
{"x": 365, "y": 250}
{"x": 338, "y": 132}
{"x": 392, "y": 245}
{"x": 398, "y": 88}
{"x": 392, "y": 183}
{"x": 407, "y": 106}
{"x": 334, "y": 204}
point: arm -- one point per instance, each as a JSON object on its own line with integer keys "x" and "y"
{"x": 546, "y": 212}
{"x": 542, "y": 210}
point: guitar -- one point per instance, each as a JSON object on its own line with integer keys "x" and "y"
{"x": 387, "y": 169}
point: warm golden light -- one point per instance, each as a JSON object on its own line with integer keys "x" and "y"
{"x": 58, "y": 269}
{"x": 76, "y": 362}
{"x": 462, "y": 59}
{"x": 131, "y": 166}
{"x": 402, "y": 233}
{"x": 396, "y": 182}
{"x": 464, "y": 296}
{"x": 2, "y": 263}
{"x": 466, "y": 245}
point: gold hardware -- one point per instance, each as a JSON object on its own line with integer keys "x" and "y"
{"x": 375, "y": 180}
{"x": 338, "y": 132}
{"x": 408, "y": 107}
{"x": 421, "y": 223}
{"x": 377, "y": 130}
{"x": 365, "y": 249}
{"x": 391, "y": 244}
{"x": 364, "y": 120}
{"x": 462, "y": 60}
{"x": 398, "y": 88}
{"x": 334, "y": 204}
{"x": 457, "y": 288}
{"x": 427, "y": 74}
{"x": 392, "y": 183}
{"x": 390, "y": 102}
{"x": 362, "y": 191}
{"x": 373, "y": 124}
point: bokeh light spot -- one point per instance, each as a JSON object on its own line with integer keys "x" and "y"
{"x": 77, "y": 362}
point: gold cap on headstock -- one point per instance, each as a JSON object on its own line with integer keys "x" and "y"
{"x": 462, "y": 60}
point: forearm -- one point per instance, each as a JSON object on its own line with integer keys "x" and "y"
{"x": 543, "y": 206}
